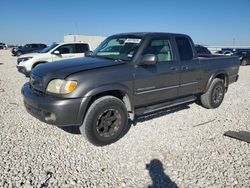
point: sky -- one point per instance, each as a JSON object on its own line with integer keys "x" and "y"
{"x": 208, "y": 22}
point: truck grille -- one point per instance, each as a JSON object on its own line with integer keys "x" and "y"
{"x": 36, "y": 84}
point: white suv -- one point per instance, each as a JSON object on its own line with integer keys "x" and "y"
{"x": 55, "y": 52}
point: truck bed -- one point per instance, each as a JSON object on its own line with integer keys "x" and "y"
{"x": 214, "y": 64}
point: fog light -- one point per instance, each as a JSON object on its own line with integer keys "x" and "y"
{"x": 50, "y": 117}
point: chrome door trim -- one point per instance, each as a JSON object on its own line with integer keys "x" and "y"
{"x": 187, "y": 84}
{"x": 155, "y": 90}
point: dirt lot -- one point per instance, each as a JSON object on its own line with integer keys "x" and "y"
{"x": 184, "y": 147}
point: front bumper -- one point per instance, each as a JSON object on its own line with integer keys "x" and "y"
{"x": 23, "y": 70}
{"x": 55, "y": 111}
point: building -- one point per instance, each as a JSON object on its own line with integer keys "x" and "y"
{"x": 94, "y": 41}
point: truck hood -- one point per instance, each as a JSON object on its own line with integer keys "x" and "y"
{"x": 64, "y": 68}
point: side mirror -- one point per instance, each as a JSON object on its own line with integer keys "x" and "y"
{"x": 88, "y": 53}
{"x": 56, "y": 52}
{"x": 148, "y": 59}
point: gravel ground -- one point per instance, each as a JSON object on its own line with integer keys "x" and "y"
{"x": 183, "y": 147}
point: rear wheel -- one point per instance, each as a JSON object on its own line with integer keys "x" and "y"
{"x": 214, "y": 95}
{"x": 106, "y": 121}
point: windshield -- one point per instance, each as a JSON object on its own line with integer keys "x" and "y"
{"x": 47, "y": 49}
{"x": 118, "y": 48}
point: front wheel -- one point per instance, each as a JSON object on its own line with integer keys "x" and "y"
{"x": 19, "y": 54}
{"x": 106, "y": 121}
{"x": 214, "y": 95}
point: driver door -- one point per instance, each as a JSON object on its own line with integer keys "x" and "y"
{"x": 158, "y": 82}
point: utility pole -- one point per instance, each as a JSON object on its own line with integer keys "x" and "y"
{"x": 233, "y": 41}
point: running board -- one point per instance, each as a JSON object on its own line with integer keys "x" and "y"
{"x": 161, "y": 106}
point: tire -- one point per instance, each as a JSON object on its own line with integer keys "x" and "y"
{"x": 105, "y": 122}
{"x": 244, "y": 62}
{"x": 19, "y": 54}
{"x": 214, "y": 95}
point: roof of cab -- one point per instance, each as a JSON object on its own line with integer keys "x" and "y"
{"x": 151, "y": 34}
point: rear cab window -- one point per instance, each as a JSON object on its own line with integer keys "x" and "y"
{"x": 184, "y": 48}
{"x": 81, "y": 48}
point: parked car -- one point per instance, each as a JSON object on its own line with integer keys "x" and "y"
{"x": 55, "y": 52}
{"x": 202, "y": 50}
{"x": 224, "y": 52}
{"x": 244, "y": 56}
{"x": 113, "y": 86}
{"x": 28, "y": 48}
{"x": 3, "y": 46}
{"x": 11, "y": 46}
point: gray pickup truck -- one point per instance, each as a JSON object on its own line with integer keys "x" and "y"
{"x": 127, "y": 76}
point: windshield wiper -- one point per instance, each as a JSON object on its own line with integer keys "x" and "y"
{"x": 109, "y": 58}
{"x": 104, "y": 57}
{"x": 121, "y": 60}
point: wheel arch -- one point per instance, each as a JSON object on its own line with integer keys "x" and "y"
{"x": 38, "y": 62}
{"x": 221, "y": 75}
{"x": 119, "y": 91}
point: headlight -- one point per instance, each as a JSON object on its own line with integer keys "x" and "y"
{"x": 59, "y": 86}
{"x": 22, "y": 59}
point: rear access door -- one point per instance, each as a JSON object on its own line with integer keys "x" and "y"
{"x": 190, "y": 72}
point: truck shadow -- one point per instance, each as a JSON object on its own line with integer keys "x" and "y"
{"x": 161, "y": 113}
{"x": 158, "y": 176}
{"x": 71, "y": 129}
{"x": 141, "y": 119}
{"x": 75, "y": 129}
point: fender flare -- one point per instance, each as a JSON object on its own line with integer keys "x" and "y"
{"x": 38, "y": 62}
{"x": 216, "y": 75}
{"x": 127, "y": 99}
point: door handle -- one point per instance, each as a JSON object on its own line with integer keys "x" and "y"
{"x": 185, "y": 68}
{"x": 173, "y": 68}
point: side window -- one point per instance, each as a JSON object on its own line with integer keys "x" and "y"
{"x": 34, "y": 45}
{"x": 41, "y": 46}
{"x": 81, "y": 48}
{"x": 160, "y": 47}
{"x": 66, "y": 49}
{"x": 184, "y": 48}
